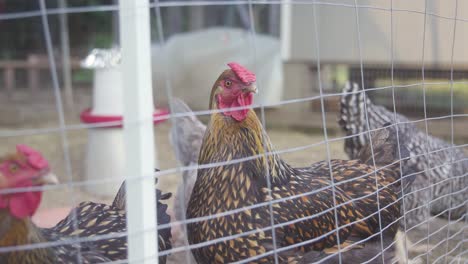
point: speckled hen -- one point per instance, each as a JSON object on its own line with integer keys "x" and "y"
{"x": 303, "y": 199}
{"x": 164, "y": 234}
{"x": 28, "y": 168}
{"x": 436, "y": 179}
{"x": 186, "y": 137}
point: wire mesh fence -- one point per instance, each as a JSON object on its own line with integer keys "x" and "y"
{"x": 248, "y": 205}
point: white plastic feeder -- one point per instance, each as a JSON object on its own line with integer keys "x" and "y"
{"x": 105, "y": 156}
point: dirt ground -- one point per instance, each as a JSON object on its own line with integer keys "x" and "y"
{"x": 33, "y": 127}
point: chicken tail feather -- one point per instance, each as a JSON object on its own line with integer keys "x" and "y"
{"x": 186, "y": 133}
{"x": 351, "y": 118}
{"x": 385, "y": 151}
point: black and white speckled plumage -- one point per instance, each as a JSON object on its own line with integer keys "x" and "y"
{"x": 435, "y": 168}
{"x": 164, "y": 235}
{"x": 16, "y": 232}
{"x": 94, "y": 219}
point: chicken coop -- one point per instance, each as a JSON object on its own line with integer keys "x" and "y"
{"x": 233, "y": 131}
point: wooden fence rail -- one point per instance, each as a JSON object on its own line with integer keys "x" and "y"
{"x": 33, "y": 64}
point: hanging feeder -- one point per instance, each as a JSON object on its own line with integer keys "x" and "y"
{"x": 105, "y": 151}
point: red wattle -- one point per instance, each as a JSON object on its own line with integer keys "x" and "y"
{"x": 3, "y": 202}
{"x": 24, "y": 204}
{"x": 240, "y": 101}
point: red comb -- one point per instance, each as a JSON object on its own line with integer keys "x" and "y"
{"x": 246, "y": 76}
{"x": 35, "y": 158}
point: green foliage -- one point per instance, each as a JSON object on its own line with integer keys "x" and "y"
{"x": 24, "y": 36}
{"x": 82, "y": 76}
{"x": 341, "y": 75}
{"x": 438, "y": 92}
{"x": 103, "y": 41}
{"x": 434, "y": 87}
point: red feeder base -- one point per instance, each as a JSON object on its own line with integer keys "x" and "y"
{"x": 160, "y": 115}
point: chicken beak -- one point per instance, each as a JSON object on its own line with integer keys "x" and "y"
{"x": 251, "y": 88}
{"x": 47, "y": 179}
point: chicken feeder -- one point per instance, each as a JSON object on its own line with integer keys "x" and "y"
{"x": 105, "y": 156}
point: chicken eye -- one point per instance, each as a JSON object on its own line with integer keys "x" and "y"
{"x": 13, "y": 167}
{"x": 228, "y": 83}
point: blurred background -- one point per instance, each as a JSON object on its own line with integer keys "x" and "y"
{"x": 413, "y": 46}
{"x": 276, "y": 40}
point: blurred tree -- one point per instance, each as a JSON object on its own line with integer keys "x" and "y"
{"x": 24, "y": 35}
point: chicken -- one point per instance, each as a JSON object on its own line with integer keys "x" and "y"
{"x": 27, "y": 168}
{"x": 186, "y": 136}
{"x": 368, "y": 252}
{"x": 164, "y": 235}
{"x": 189, "y": 131}
{"x": 433, "y": 173}
{"x": 308, "y": 205}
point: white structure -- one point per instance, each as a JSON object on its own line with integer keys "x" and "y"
{"x": 106, "y": 159}
{"x": 138, "y": 131}
{"x": 105, "y": 156}
{"x": 107, "y": 91}
{"x": 194, "y": 60}
{"x": 338, "y": 35}
{"x": 341, "y": 43}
